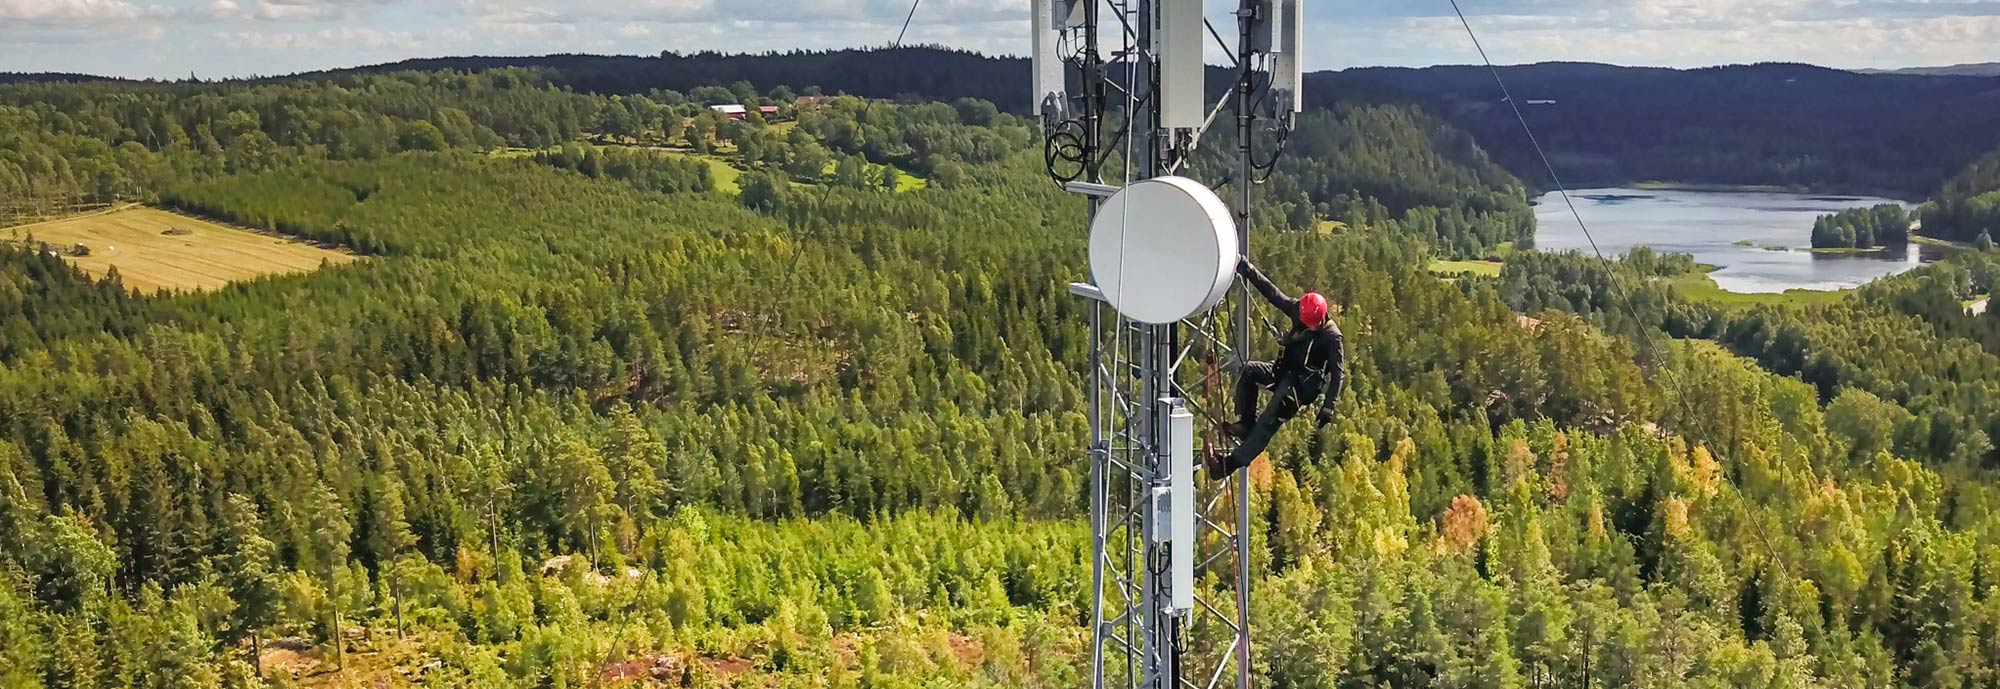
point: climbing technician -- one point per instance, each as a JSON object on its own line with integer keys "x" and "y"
{"x": 1311, "y": 366}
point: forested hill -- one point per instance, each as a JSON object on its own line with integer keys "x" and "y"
{"x": 37, "y": 77}
{"x": 1767, "y": 124}
{"x": 1967, "y": 209}
{"x": 920, "y": 72}
{"x": 1399, "y": 170}
{"x": 587, "y": 416}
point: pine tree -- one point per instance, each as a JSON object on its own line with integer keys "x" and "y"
{"x": 249, "y": 572}
{"x": 851, "y": 173}
{"x": 582, "y": 491}
{"x": 330, "y": 542}
{"x": 637, "y": 462}
{"x": 72, "y": 566}
{"x": 21, "y": 645}
{"x": 873, "y": 599}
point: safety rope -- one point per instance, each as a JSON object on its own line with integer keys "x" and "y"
{"x": 1645, "y": 333}
{"x": 860, "y": 123}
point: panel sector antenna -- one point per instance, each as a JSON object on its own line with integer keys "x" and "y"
{"x": 1163, "y": 250}
{"x": 1281, "y": 38}
{"x": 1177, "y": 38}
{"x": 1052, "y": 20}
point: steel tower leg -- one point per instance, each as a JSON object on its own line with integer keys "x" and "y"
{"x": 1246, "y": 115}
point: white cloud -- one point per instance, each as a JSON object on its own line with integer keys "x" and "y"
{"x": 293, "y": 11}
{"x": 313, "y": 40}
{"x": 75, "y": 11}
{"x": 633, "y": 30}
{"x": 1639, "y": 38}
{"x": 774, "y": 12}
{"x": 289, "y": 10}
{"x": 34, "y": 24}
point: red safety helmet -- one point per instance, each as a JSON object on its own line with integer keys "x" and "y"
{"x": 1312, "y": 309}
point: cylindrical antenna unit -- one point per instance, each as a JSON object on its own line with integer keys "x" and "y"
{"x": 1163, "y": 249}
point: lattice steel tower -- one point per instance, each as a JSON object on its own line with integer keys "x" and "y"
{"x": 1171, "y": 548}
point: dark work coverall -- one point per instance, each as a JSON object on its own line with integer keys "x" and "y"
{"x": 1311, "y": 366}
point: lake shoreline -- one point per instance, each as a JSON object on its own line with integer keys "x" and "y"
{"x": 1658, "y": 185}
{"x": 1701, "y": 286}
{"x": 1941, "y": 243}
{"x": 1756, "y": 235}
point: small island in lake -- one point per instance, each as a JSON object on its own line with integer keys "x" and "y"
{"x": 1882, "y": 225}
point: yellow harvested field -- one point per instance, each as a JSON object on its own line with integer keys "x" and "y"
{"x": 155, "y": 249}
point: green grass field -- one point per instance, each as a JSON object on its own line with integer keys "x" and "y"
{"x": 909, "y": 182}
{"x": 904, "y": 183}
{"x": 724, "y": 174}
{"x": 1946, "y": 243}
{"x": 206, "y": 257}
{"x": 1701, "y": 287}
{"x": 511, "y": 152}
{"x": 727, "y": 175}
{"x": 1480, "y": 268}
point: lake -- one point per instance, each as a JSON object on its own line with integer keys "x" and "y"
{"x": 1712, "y": 226}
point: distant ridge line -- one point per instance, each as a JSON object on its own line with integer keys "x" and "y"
{"x": 955, "y": 55}
{"x": 1969, "y": 69}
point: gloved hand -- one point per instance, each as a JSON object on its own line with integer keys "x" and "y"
{"x": 1243, "y": 266}
{"x": 1324, "y": 419}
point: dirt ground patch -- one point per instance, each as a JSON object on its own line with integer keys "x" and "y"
{"x": 726, "y": 668}
{"x": 967, "y": 651}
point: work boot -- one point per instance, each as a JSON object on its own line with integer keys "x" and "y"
{"x": 1217, "y": 463}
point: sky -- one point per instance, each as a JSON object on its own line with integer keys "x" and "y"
{"x": 222, "y": 38}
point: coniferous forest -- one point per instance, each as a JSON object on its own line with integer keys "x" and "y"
{"x": 1967, "y": 209}
{"x": 1884, "y": 224}
{"x": 624, "y": 392}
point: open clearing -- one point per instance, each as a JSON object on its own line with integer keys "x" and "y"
{"x": 724, "y": 174}
{"x": 155, "y": 249}
{"x": 1945, "y": 243}
{"x": 1699, "y": 286}
{"x": 723, "y": 168}
{"x": 1484, "y": 268}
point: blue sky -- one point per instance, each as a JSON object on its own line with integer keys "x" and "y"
{"x": 212, "y": 38}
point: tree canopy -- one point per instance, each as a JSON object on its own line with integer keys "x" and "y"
{"x": 583, "y": 415}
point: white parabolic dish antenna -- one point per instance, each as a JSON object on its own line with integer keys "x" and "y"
{"x": 1163, "y": 249}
